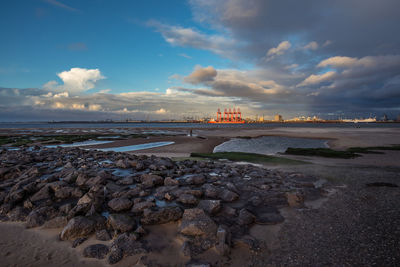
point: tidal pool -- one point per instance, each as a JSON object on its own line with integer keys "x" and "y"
{"x": 269, "y": 145}
{"x": 136, "y": 147}
{"x": 84, "y": 143}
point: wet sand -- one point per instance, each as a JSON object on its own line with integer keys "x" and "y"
{"x": 22, "y": 247}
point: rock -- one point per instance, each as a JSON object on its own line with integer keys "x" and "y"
{"x": 98, "y": 251}
{"x": 120, "y": 204}
{"x": 121, "y": 222}
{"x": 245, "y": 217}
{"x": 115, "y": 256}
{"x": 223, "y": 241}
{"x": 161, "y": 216}
{"x": 56, "y": 222}
{"x": 269, "y": 218}
{"x": 66, "y": 208}
{"x": 187, "y": 199}
{"x": 18, "y": 214}
{"x": 150, "y": 180}
{"x": 195, "y": 179}
{"x": 195, "y": 222}
{"x": 98, "y": 180}
{"x": 64, "y": 192}
{"x": 81, "y": 179}
{"x": 86, "y": 199}
{"x": 140, "y": 166}
{"x": 122, "y": 164}
{"x": 42, "y": 194}
{"x": 125, "y": 245}
{"x": 16, "y": 196}
{"x": 197, "y": 265}
{"x": 126, "y": 181}
{"x": 170, "y": 182}
{"x": 210, "y": 191}
{"x": 77, "y": 227}
{"x": 228, "y": 196}
{"x": 229, "y": 211}
{"x": 139, "y": 207}
{"x": 295, "y": 199}
{"x": 78, "y": 241}
{"x": 232, "y": 187}
{"x": 38, "y": 217}
{"x": 103, "y": 235}
{"x": 185, "y": 249}
{"x": 248, "y": 242}
{"x": 210, "y": 206}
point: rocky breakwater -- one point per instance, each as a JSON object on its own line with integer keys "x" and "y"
{"x": 115, "y": 196}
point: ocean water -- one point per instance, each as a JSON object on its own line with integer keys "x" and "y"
{"x": 36, "y": 126}
{"x": 269, "y": 145}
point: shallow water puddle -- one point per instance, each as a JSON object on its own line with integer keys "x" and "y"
{"x": 269, "y": 145}
{"x": 85, "y": 143}
{"x": 136, "y": 147}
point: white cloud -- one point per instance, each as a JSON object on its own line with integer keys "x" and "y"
{"x": 187, "y": 37}
{"x": 200, "y": 75}
{"x": 160, "y": 111}
{"x": 317, "y": 79}
{"x": 280, "y": 49}
{"x": 311, "y": 46}
{"x": 75, "y": 81}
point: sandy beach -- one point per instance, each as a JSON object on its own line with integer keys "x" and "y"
{"x": 344, "y": 183}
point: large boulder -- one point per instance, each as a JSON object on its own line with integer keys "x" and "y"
{"x": 120, "y": 204}
{"x": 42, "y": 194}
{"x": 228, "y": 196}
{"x": 245, "y": 217}
{"x": 210, "y": 191}
{"x": 78, "y": 227}
{"x": 121, "y": 222}
{"x": 150, "y": 180}
{"x": 141, "y": 206}
{"x": 161, "y": 216}
{"x": 187, "y": 199}
{"x": 210, "y": 206}
{"x": 195, "y": 223}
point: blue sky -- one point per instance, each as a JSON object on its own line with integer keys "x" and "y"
{"x": 43, "y": 38}
{"x": 103, "y": 59}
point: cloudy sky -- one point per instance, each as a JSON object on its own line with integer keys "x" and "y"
{"x": 155, "y": 59}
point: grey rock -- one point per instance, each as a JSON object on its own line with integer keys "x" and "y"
{"x": 120, "y": 204}
{"x": 150, "y": 180}
{"x": 77, "y": 227}
{"x": 98, "y": 251}
{"x": 210, "y": 206}
{"x": 78, "y": 241}
{"x": 187, "y": 199}
{"x": 161, "y": 216}
{"x": 57, "y": 222}
{"x": 195, "y": 222}
{"x": 121, "y": 222}
{"x": 141, "y": 206}
{"x": 245, "y": 217}
{"x": 103, "y": 235}
{"x": 228, "y": 196}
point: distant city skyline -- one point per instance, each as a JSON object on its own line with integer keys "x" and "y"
{"x": 98, "y": 60}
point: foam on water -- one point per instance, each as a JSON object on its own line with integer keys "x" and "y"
{"x": 269, "y": 145}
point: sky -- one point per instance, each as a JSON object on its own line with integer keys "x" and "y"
{"x": 155, "y": 59}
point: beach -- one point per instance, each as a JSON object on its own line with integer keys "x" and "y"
{"x": 342, "y": 217}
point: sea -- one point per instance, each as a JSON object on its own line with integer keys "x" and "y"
{"x": 49, "y": 125}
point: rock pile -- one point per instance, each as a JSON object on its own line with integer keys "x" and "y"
{"x": 114, "y": 196}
